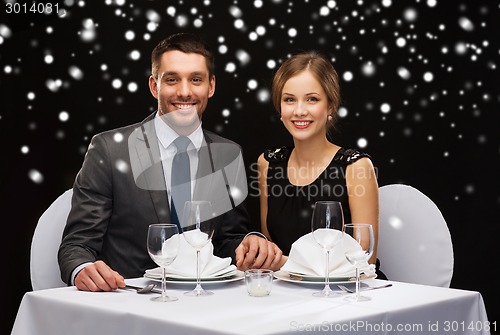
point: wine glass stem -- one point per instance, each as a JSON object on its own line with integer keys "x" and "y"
{"x": 164, "y": 282}
{"x": 327, "y": 270}
{"x": 357, "y": 283}
{"x": 198, "y": 280}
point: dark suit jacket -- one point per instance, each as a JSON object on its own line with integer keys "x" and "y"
{"x": 120, "y": 190}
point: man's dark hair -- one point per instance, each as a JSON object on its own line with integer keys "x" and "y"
{"x": 184, "y": 42}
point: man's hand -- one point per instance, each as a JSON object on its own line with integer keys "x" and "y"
{"x": 255, "y": 252}
{"x": 98, "y": 277}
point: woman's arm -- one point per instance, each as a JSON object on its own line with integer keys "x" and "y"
{"x": 362, "y": 187}
{"x": 262, "y": 167}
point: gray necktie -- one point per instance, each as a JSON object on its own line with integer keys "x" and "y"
{"x": 181, "y": 180}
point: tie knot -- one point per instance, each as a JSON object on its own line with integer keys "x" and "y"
{"x": 182, "y": 143}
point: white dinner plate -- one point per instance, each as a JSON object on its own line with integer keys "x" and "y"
{"x": 295, "y": 278}
{"x": 156, "y": 274}
{"x": 230, "y": 277}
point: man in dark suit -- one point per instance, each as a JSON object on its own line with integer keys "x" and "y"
{"x": 125, "y": 182}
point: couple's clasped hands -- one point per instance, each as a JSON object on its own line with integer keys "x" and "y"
{"x": 253, "y": 252}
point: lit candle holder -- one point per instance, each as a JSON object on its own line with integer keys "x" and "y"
{"x": 259, "y": 282}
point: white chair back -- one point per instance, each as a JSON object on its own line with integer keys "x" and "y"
{"x": 44, "y": 267}
{"x": 414, "y": 240}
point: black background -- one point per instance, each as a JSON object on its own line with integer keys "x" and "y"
{"x": 440, "y": 135}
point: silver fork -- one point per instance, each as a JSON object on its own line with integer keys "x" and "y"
{"x": 348, "y": 290}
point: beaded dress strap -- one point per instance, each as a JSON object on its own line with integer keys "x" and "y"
{"x": 277, "y": 154}
{"x": 349, "y": 156}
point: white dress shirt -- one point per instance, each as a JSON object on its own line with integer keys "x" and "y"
{"x": 166, "y": 137}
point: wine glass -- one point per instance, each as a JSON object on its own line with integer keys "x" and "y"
{"x": 163, "y": 246}
{"x": 326, "y": 227}
{"x": 198, "y": 228}
{"x": 362, "y": 233}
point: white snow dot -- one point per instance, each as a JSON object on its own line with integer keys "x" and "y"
{"x": 118, "y": 137}
{"x": 460, "y": 48}
{"x": 226, "y": 113}
{"x": 75, "y": 72}
{"x": 362, "y": 143}
{"x": 428, "y": 77}
{"x": 171, "y": 11}
{"x": 235, "y": 11}
{"x": 5, "y": 31}
{"x": 257, "y": 3}
{"x": 271, "y": 64}
{"x": 292, "y": 32}
{"x": 49, "y": 59}
{"x": 342, "y": 112}
{"x": 153, "y": 16}
{"x": 385, "y": 108}
{"x": 63, "y": 116}
{"x": 53, "y": 85}
{"x": 135, "y": 54}
{"x": 431, "y": 3}
{"x": 132, "y": 87}
{"x": 331, "y": 4}
{"x": 410, "y": 14}
{"x": 243, "y": 57}
{"x": 230, "y": 67}
{"x": 401, "y": 42}
{"x": 129, "y": 35}
{"x": 368, "y": 69}
{"x": 35, "y": 176}
{"x": 25, "y": 149}
{"x": 151, "y": 26}
{"x": 181, "y": 20}
{"x": 116, "y": 83}
{"x": 403, "y": 73}
{"x": 198, "y": 23}
{"x": 238, "y": 23}
{"x": 121, "y": 166}
{"x": 324, "y": 11}
{"x": 222, "y": 49}
{"x": 252, "y": 84}
{"x": 348, "y": 76}
{"x": 263, "y": 95}
{"x": 261, "y": 30}
{"x": 466, "y": 24}
{"x": 31, "y": 96}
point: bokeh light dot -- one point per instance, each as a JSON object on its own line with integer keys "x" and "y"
{"x": 63, "y": 116}
{"x": 348, "y": 76}
{"x": 25, "y": 149}
{"x": 35, "y": 176}
{"x": 362, "y": 143}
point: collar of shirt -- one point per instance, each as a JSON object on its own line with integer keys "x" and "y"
{"x": 166, "y": 136}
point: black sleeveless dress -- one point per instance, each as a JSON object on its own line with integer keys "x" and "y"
{"x": 290, "y": 206}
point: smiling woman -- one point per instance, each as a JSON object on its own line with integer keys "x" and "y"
{"x": 292, "y": 179}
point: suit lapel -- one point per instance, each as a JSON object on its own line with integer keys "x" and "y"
{"x": 150, "y": 169}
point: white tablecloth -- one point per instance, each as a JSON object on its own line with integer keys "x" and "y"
{"x": 291, "y": 308}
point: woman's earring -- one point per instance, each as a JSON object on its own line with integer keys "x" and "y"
{"x": 281, "y": 119}
{"x": 330, "y": 118}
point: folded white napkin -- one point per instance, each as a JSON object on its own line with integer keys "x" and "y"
{"x": 308, "y": 258}
{"x": 184, "y": 264}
